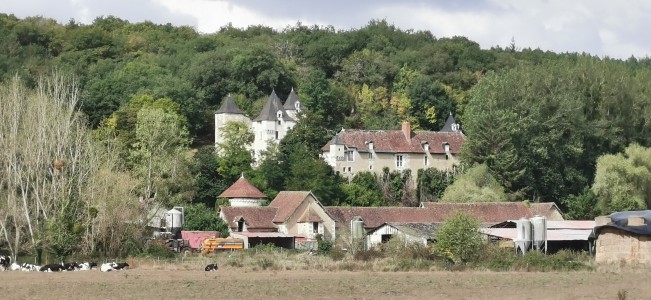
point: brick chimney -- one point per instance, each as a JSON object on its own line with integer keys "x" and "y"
{"x": 406, "y": 129}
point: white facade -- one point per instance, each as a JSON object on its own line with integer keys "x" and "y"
{"x": 271, "y": 126}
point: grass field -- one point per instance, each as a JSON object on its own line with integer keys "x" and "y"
{"x": 189, "y": 281}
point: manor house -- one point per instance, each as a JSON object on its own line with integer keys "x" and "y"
{"x": 273, "y": 123}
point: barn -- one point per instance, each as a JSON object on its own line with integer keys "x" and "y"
{"x": 623, "y": 237}
{"x": 410, "y": 233}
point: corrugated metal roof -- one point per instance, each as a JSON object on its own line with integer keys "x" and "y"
{"x": 552, "y": 235}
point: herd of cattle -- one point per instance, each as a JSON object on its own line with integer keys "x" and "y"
{"x": 6, "y": 264}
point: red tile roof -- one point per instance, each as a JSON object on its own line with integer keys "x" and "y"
{"x": 376, "y": 216}
{"x": 256, "y": 218}
{"x": 287, "y": 202}
{"x": 486, "y": 212}
{"x": 242, "y": 188}
{"x": 543, "y": 209}
{"x": 394, "y": 141}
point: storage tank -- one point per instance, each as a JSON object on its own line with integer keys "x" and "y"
{"x": 357, "y": 228}
{"x": 539, "y": 233}
{"x": 174, "y": 221}
{"x": 523, "y": 239}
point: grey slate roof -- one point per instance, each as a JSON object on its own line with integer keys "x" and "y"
{"x": 291, "y": 101}
{"x": 229, "y": 107}
{"x": 448, "y": 124}
{"x": 270, "y": 109}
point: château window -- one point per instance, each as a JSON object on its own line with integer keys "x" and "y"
{"x": 370, "y": 155}
{"x": 349, "y": 155}
{"x": 426, "y": 158}
{"x": 276, "y": 134}
{"x": 315, "y": 227}
{"x": 399, "y": 163}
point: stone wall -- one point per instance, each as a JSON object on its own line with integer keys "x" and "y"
{"x": 615, "y": 246}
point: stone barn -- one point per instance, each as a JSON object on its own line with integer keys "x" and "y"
{"x": 623, "y": 237}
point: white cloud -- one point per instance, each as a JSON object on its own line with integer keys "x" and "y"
{"x": 601, "y": 27}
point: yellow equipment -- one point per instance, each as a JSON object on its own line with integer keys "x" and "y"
{"x": 216, "y": 244}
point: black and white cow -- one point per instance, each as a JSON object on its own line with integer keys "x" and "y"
{"x": 87, "y": 266}
{"x": 211, "y": 267}
{"x": 52, "y": 268}
{"x": 73, "y": 266}
{"x": 120, "y": 266}
{"x": 15, "y": 267}
{"x": 5, "y": 262}
{"x": 25, "y": 267}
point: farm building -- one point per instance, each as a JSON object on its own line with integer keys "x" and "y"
{"x": 499, "y": 210}
{"x": 293, "y": 215}
{"x": 410, "y": 233}
{"x": 487, "y": 213}
{"x": 623, "y": 237}
{"x": 559, "y": 234}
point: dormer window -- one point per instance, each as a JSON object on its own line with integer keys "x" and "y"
{"x": 297, "y": 105}
{"x": 425, "y": 146}
{"x": 446, "y": 148}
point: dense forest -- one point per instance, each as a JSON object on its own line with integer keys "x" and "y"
{"x": 565, "y": 127}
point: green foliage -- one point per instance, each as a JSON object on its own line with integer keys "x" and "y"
{"x": 540, "y": 127}
{"x": 208, "y": 183}
{"x": 235, "y": 158}
{"x": 199, "y": 217}
{"x": 325, "y": 246}
{"x": 475, "y": 185}
{"x": 459, "y": 239}
{"x": 623, "y": 181}
{"x": 503, "y": 259}
{"x": 363, "y": 190}
{"x": 581, "y": 207}
{"x": 432, "y": 183}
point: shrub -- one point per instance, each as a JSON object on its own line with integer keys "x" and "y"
{"x": 155, "y": 249}
{"x": 367, "y": 255}
{"x": 458, "y": 239}
{"x": 265, "y": 262}
{"x": 324, "y": 246}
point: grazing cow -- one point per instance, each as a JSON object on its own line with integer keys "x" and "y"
{"x": 29, "y": 267}
{"x": 211, "y": 267}
{"x": 15, "y": 267}
{"x": 51, "y": 268}
{"x": 5, "y": 262}
{"x": 120, "y": 266}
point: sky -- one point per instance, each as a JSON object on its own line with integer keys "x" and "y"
{"x": 617, "y": 29}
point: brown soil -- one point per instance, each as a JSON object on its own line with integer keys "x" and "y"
{"x": 146, "y": 282}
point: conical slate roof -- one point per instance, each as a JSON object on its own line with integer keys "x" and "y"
{"x": 290, "y": 103}
{"x": 229, "y": 107}
{"x": 450, "y": 125}
{"x": 242, "y": 188}
{"x": 270, "y": 109}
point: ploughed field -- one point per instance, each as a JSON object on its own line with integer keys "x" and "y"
{"x": 191, "y": 282}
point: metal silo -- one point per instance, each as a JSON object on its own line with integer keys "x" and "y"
{"x": 539, "y": 233}
{"x": 524, "y": 233}
{"x": 174, "y": 221}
